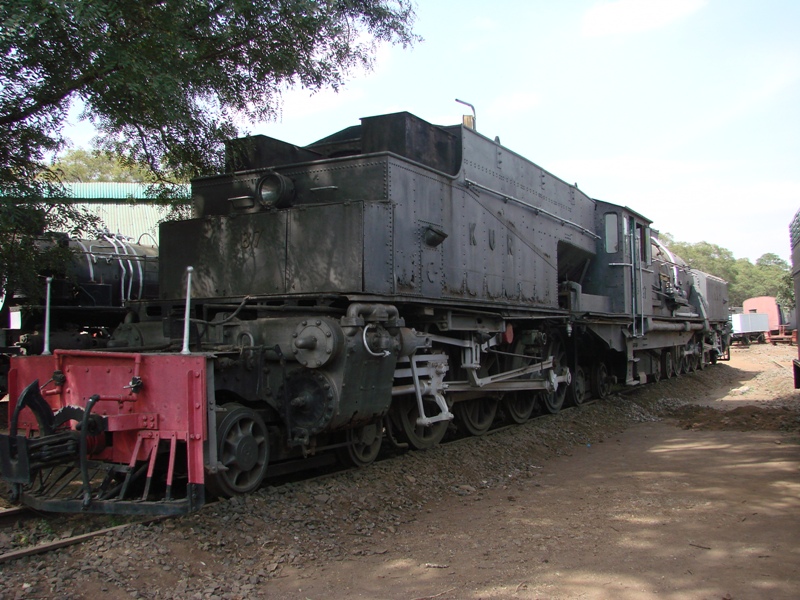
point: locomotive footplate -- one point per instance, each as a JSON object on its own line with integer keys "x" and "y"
{"x": 48, "y": 474}
{"x": 60, "y": 489}
{"x": 53, "y": 472}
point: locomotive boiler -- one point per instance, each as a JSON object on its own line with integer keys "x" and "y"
{"x": 87, "y": 301}
{"x": 387, "y": 283}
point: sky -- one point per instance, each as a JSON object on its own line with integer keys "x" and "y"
{"x": 686, "y": 111}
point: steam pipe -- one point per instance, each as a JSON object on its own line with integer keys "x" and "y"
{"x": 474, "y": 114}
{"x": 46, "y": 351}
{"x": 187, "y": 311}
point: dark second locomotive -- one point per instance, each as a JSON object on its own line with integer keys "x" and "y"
{"x": 87, "y": 300}
{"x": 380, "y": 284}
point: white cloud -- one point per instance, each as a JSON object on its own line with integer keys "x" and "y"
{"x": 634, "y": 16}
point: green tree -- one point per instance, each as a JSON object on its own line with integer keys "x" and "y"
{"x": 774, "y": 279}
{"x": 772, "y": 260}
{"x": 769, "y": 276}
{"x": 785, "y": 294}
{"x": 745, "y": 283}
{"x": 163, "y": 81}
{"x": 708, "y": 258}
{"x": 93, "y": 165}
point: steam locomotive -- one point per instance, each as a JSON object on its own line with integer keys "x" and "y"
{"x": 87, "y": 301}
{"x": 387, "y": 283}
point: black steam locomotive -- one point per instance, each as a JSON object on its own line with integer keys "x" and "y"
{"x": 385, "y": 283}
{"x": 87, "y": 301}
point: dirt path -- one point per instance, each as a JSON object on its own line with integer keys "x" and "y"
{"x": 658, "y": 511}
{"x": 685, "y": 489}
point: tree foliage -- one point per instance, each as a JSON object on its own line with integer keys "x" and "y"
{"x": 79, "y": 165}
{"x": 165, "y": 82}
{"x": 769, "y": 276}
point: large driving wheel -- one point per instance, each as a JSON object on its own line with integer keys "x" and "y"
{"x": 692, "y": 358}
{"x": 363, "y": 444}
{"x": 243, "y": 451}
{"x": 519, "y": 405}
{"x": 476, "y": 415}
{"x": 667, "y": 363}
{"x": 577, "y": 390}
{"x": 601, "y": 380}
{"x": 553, "y": 401}
{"x": 682, "y": 367}
{"x": 404, "y": 414}
{"x": 655, "y": 375}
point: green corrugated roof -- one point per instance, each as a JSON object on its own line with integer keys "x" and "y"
{"x": 105, "y": 191}
{"x": 130, "y": 220}
{"x": 125, "y": 208}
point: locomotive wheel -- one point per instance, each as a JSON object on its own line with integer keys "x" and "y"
{"x": 601, "y": 381}
{"x": 363, "y": 444}
{"x": 683, "y": 365}
{"x": 519, "y": 405}
{"x": 405, "y": 414}
{"x": 667, "y": 363}
{"x": 692, "y": 362}
{"x": 576, "y": 392}
{"x": 655, "y": 376}
{"x": 553, "y": 401}
{"x": 476, "y": 415}
{"x": 242, "y": 447}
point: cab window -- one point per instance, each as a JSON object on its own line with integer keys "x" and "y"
{"x": 612, "y": 233}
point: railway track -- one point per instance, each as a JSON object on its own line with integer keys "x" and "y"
{"x": 60, "y": 528}
{"x": 17, "y": 512}
{"x": 13, "y": 520}
{"x": 35, "y": 532}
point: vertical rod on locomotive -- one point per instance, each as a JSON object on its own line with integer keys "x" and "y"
{"x": 46, "y": 351}
{"x": 187, "y": 311}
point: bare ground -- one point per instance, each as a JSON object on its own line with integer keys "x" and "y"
{"x": 685, "y": 489}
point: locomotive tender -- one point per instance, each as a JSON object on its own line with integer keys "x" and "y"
{"x": 379, "y": 284}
